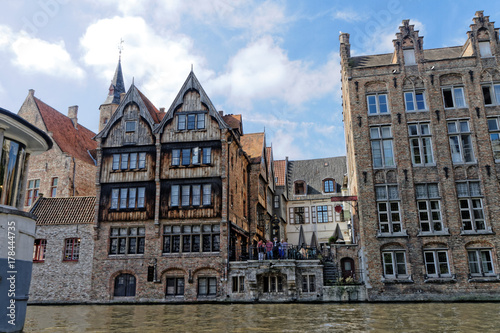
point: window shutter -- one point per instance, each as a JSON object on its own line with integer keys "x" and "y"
{"x": 313, "y": 213}
{"x": 306, "y": 215}
{"x": 291, "y": 216}
{"x": 330, "y": 214}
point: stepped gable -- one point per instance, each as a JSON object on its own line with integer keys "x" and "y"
{"x": 76, "y": 141}
{"x": 69, "y": 210}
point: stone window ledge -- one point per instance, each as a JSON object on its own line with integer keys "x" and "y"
{"x": 485, "y": 279}
{"x": 488, "y": 231}
{"x": 403, "y": 233}
{"x": 441, "y": 280}
{"x": 397, "y": 280}
{"x": 445, "y": 232}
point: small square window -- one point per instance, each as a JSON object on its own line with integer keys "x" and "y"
{"x": 130, "y": 126}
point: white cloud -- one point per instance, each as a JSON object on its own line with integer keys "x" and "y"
{"x": 347, "y": 15}
{"x": 159, "y": 64}
{"x": 37, "y": 55}
{"x": 285, "y": 144}
{"x": 262, "y": 70}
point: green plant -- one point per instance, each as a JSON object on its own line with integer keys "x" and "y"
{"x": 332, "y": 240}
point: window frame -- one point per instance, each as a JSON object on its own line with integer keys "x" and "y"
{"x": 178, "y": 288}
{"x": 190, "y": 121}
{"x": 485, "y": 45}
{"x": 273, "y": 284}
{"x": 53, "y": 186}
{"x": 421, "y": 146}
{"x": 238, "y": 284}
{"x": 309, "y": 283}
{"x": 453, "y": 90}
{"x": 434, "y": 215}
{"x": 129, "y": 124}
{"x": 39, "y": 250}
{"x": 121, "y": 198}
{"x": 394, "y": 264}
{"x": 381, "y": 139}
{"x": 322, "y": 214}
{"x": 299, "y": 212}
{"x": 296, "y": 188}
{"x": 210, "y": 283}
{"x": 389, "y": 212}
{"x": 72, "y": 249}
{"x": 329, "y": 185}
{"x": 494, "y": 134}
{"x": 494, "y": 93}
{"x": 414, "y": 100}
{"x": 190, "y": 238}
{"x": 437, "y": 263}
{"x": 458, "y": 148}
{"x": 130, "y": 241}
{"x": 33, "y": 188}
{"x": 376, "y": 105}
{"x": 480, "y": 263}
{"x": 467, "y": 205}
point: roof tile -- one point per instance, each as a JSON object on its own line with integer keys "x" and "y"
{"x": 68, "y": 210}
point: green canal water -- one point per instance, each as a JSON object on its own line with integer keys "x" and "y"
{"x": 363, "y": 317}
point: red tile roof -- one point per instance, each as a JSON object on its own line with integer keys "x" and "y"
{"x": 280, "y": 172}
{"x": 76, "y": 142}
{"x": 153, "y": 111}
{"x": 253, "y": 145}
{"x": 234, "y": 121}
{"x": 69, "y": 210}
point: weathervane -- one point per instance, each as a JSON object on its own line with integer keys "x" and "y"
{"x": 120, "y": 47}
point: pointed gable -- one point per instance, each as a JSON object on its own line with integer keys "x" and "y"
{"x": 117, "y": 86}
{"x": 147, "y": 110}
{"x": 280, "y": 172}
{"x": 76, "y": 142}
{"x": 191, "y": 84}
{"x": 253, "y": 145}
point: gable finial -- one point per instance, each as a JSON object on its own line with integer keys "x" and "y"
{"x": 120, "y": 48}
{"x": 191, "y": 67}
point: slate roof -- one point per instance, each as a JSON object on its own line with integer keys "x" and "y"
{"x": 280, "y": 172}
{"x": 313, "y": 172}
{"x": 253, "y": 145}
{"x": 76, "y": 142}
{"x": 386, "y": 59}
{"x": 117, "y": 86}
{"x": 68, "y": 210}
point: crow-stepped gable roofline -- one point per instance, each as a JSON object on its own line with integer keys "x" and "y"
{"x": 192, "y": 83}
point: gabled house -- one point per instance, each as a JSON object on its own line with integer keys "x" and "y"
{"x": 68, "y": 169}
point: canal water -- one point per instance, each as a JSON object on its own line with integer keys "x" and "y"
{"x": 362, "y": 317}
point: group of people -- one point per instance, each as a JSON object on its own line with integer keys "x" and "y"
{"x": 272, "y": 249}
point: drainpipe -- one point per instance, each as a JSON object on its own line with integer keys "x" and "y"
{"x": 74, "y": 172}
{"x": 229, "y": 141}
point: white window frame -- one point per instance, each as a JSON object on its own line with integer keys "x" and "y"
{"x": 493, "y": 89}
{"x": 396, "y": 261}
{"x": 437, "y": 265}
{"x": 323, "y": 212}
{"x": 460, "y": 139}
{"x": 382, "y": 136}
{"x": 411, "y": 102}
{"x": 429, "y": 209}
{"x": 455, "y": 92}
{"x": 494, "y": 130}
{"x": 478, "y": 266}
{"x": 374, "y": 106}
{"x": 388, "y": 225}
{"x": 421, "y": 144}
{"x": 471, "y": 207}
{"x": 309, "y": 283}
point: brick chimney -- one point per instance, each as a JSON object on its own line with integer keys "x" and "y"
{"x": 72, "y": 114}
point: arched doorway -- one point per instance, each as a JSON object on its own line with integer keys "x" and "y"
{"x": 124, "y": 285}
{"x": 347, "y": 265}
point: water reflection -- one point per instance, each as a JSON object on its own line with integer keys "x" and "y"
{"x": 394, "y": 317}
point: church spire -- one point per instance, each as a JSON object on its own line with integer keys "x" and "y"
{"x": 117, "y": 85}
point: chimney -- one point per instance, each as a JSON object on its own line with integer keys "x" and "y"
{"x": 72, "y": 114}
{"x": 221, "y": 113}
{"x": 122, "y": 96}
{"x": 345, "y": 47}
{"x": 32, "y": 92}
{"x": 162, "y": 110}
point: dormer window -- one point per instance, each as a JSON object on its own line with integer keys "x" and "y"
{"x": 300, "y": 187}
{"x": 329, "y": 185}
{"x": 485, "y": 49}
{"x": 409, "y": 56}
{"x": 130, "y": 126}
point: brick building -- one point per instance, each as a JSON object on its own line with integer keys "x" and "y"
{"x": 422, "y": 134}
{"x": 172, "y": 199}
{"x": 63, "y": 250}
{"x": 68, "y": 169}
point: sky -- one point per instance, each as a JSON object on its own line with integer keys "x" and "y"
{"x": 274, "y": 62}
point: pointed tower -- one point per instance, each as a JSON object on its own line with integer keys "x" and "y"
{"x": 116, "y": 88}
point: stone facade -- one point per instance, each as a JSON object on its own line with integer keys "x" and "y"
{"x": 421, "y": 162}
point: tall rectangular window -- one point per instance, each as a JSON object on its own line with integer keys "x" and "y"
{"x": 200, "y": 122}
{"x": 123, "y": 197}
{"x": 298, "y": 214}
{"x": 394, "y": 264}
{"x": 71, "y": 249}
{"x": 453, "y": 97}
{"x": 53, "y": 187}
{"x": 131, "y": 197}
{"x": 39, "y": 248}
{"x": 389, "y": 214}
{"x": 175, "y": 286}
{"x": 207, "y": 194}
{"x": 377, "y": 104}
{"x": 32, "y": 192}
{"x": 491, "y": 94}
{"x": 141, "y": 194}
{"x": 276, "y": 201}
{"x": 471, "y": 206}
{"x": 114, "y": 198}
{"x": 191, "y": 121}
{"x": 381, "y": 142}
{"x": 174, "y": 195}
{"x": 207, "y": 155}
{"x": 124, "y": 164}
{"x": 186, "y": 156}
{"x": 116, "y": 162}
{"x": 207, "y": 286}
{"x": 181, "y": 122}
{"x": 133, "y": 161}
{"x": 436, "y": 263}
{"x": 196, "y": 156}
{"x": 322, "y": 214}
{"x": 480, "y": 262}
{"x": 185, "y": 195}
{"x": 421, "y": 144}
{"x": 494, "y": 128}
{"x": 238, "y": 284}
{"x": 415, "y": 101}
{"x": 409, "y": 56}
{"x": 460, "y": 141}
{"x": 196, "y": 195}
{"x": 429, "y": 207}
{"x": 485, "y": 49}
{"x": 142, "y": 160}
{"x": 308, "y": 283}
{"x": 176, "y": 156}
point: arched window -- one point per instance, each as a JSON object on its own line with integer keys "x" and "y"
{"x": 329, "y": 185}
{"x": 124, "y": 285}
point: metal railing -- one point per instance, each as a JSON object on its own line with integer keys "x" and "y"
{"x": 289, "y": 252}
